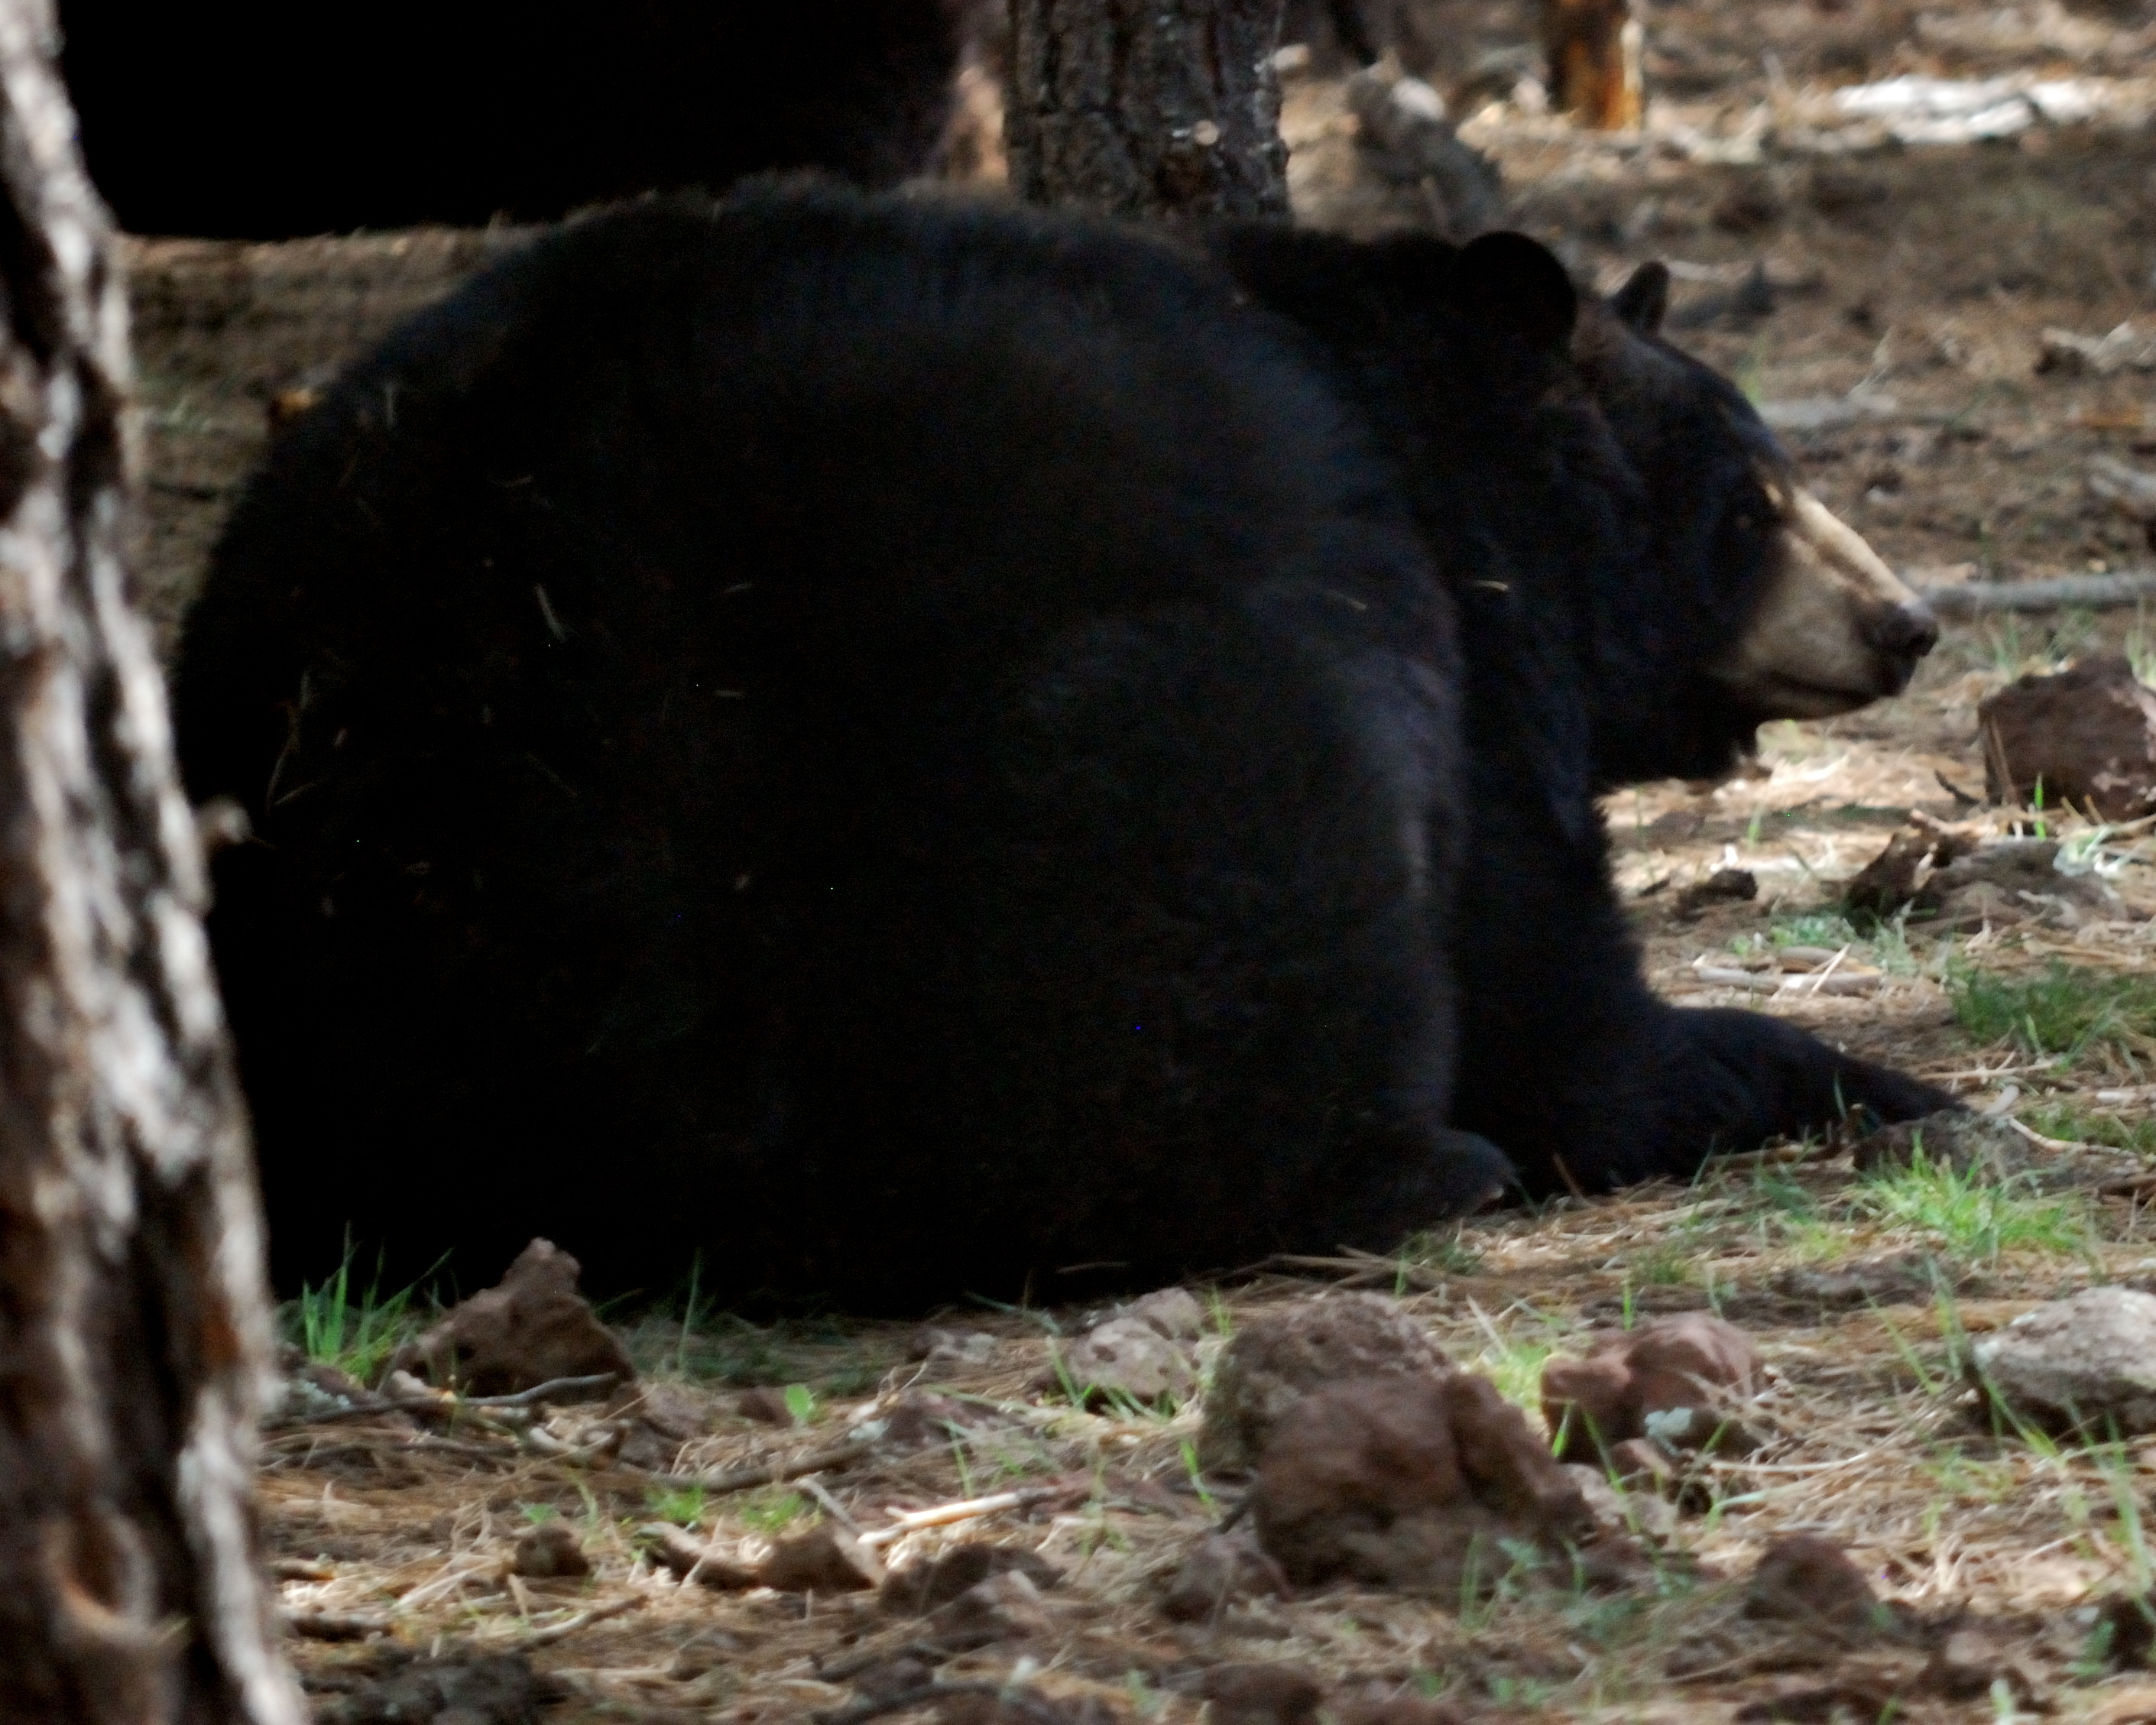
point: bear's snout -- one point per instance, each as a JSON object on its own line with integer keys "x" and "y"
{"x": 1835, "y": 627}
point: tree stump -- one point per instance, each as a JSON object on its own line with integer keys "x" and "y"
{"x": 133, "y": 1315}
{"x": 1594, "y": 48}
{"x": 1163, "y": 108}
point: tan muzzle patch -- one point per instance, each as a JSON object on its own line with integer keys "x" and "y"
{"x": 1836, "y": 628}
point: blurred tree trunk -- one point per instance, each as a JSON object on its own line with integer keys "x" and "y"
{"x": 1148, "y": 108}
{"x": 1594, "y": 48}
{"x": 133, "y": 1320}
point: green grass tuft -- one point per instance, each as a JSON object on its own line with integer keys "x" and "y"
{"x": 356, "y": 1336}
{"x": 771, "y": 1511}
{"x": 1973, "y": 1219}
{"x": 2065, "y": 1012}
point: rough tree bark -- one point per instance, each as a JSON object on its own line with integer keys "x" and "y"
{"x": 134, "y": 1333}
{"x": 1148, "y": 108}
{"x": 1594, "y": 48}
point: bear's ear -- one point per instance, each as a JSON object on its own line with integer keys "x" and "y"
{"x": 1640, "y": 303}
{"x": 1516, "y": 281}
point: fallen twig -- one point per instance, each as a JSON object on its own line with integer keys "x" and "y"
{"x": 445, "y": 1403}
{"x": 583, "y": 1619}
{"x": 337, "y": 1625}
{"x": 771, "y": 1473}
{"x": 943, "y": 1514}
{"x": 2092, "y": 592}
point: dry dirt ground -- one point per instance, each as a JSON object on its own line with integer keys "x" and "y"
{"x": 1906, "y": 287}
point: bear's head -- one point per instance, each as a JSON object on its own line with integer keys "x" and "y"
{"x": 1773, "y": 607}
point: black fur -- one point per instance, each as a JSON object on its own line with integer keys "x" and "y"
{"x": 912, "y": 748}
{"x": 263, "y": 118}
{"x": 1636, "y": 532}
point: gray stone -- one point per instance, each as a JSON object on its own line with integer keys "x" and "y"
{"x": 2086, "y": 1363}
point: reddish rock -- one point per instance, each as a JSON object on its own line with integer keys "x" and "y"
{"x": 529, "y": 1329}
{"x": 1803, "y": 1578}
{"x": 1409, "y": 1482}
{"x": 548, "y": 1550}
{"x": 1277, "y": 1358}
{"x": 1690, "y": 1361}
{"x": 2088, "y": 733}
{"x": 1262, "y": 1695}
{"x": 1218, "y": 1572}
{"x": 765, "y": 1404}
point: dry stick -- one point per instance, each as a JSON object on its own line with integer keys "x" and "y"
{"x": 442, "y": 1403}
{"x": 1020, "y": 1700}
{"x": 2093, "y": 593}
{"x": 583, "y": 1619}
{"x": 942, "y": 1515}
{"x": 771, "y": 1473}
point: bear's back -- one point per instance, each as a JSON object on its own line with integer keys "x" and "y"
{"x": 716, "y": 632}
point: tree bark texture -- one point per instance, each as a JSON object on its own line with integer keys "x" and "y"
{"x": 134, "y": 1327}
{"x": 1594, "y": 48}
{"x": 1148, "y": 108}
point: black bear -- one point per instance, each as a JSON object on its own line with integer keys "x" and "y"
{"x": 917, "y": 749}
{"x": 265, "y": 119}
{"x": 1642, "y": 624}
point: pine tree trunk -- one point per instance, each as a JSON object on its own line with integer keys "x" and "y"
{"x": 1148, "y": 108}
{"x": 1593, "y": 49}
{"x": 133, "y": 1322}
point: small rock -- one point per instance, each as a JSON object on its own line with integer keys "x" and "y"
{"x": 1173, "y": 1313}
{"x": 531, "y": 1328}
{"x": 920, "y": 1588}
{"x": 675, "y": 1549}
{"x": 1218, "y": 1572}
{"x": 1257, "y": 1694}
{"x": 1125, "y": 1357}
{"x": 1277, "y": 1358}
{"x": 1409, "y": 1482}
{"x": 548, "y": 1550}
{"x": 1723, "y": 887}
{"x": 1006, "y": 1607}
{"x": 2088, "y": 733}
{"x": 947, "y": 1351}
{"x": 1803, "y": 1578}
{"x": 1676, "y": 1380}
{"x": 830, "y": 1560}
{"x": 765, "y": 1404}
{"x": 2086, "y": 1363}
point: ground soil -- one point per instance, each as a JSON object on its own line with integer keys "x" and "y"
{"x": 1922, "y": 279}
